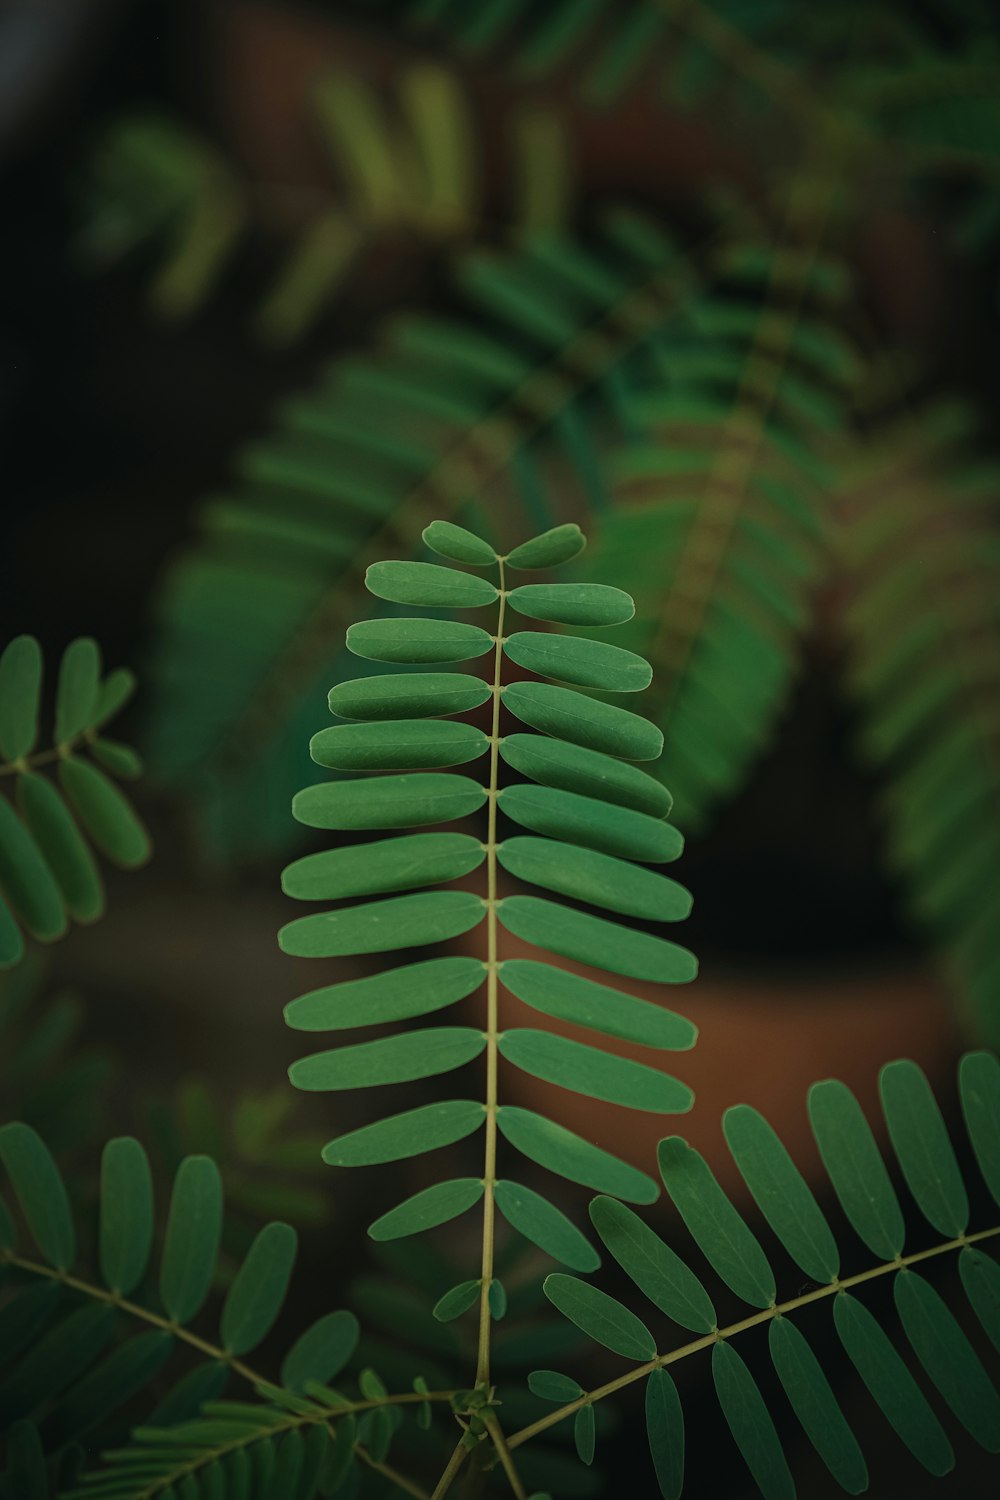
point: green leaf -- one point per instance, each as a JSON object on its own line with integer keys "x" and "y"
{"x": 20, "y": 694}
{"x": 435, "y": 1205}
{"x": 496, "y": 1296}
{"x": 545, "y": 1226}
{"x": 27, "y": 880}
{"x": 62, "y": 846}
{"x": 579, "y": 660}
{"x": 920, "y": 1139}
{"x": 781, "y": 1192}
{"x": 584, "y": 1434}
{"x": 397, "y": 745}
{"x": 665, "y": 1432}
{"x": 341, "y": 1463}
{"x": 656, "y": 1270}
{"x": 120, "y": 760}
{"x": 25, "y": 1316}
{"x": 598, "y": 879}
{"x": 11, "y": 941}
{"x": 549, "y": 550}
{"x": 981, "y": 1280}
{"x": 391, "y": 1059}
{"x": 855, "y": 1167}
{"x": 41, "y": 1192}
{"x": 549, "y": 1385}
{"x": 388, "y": 801}
{"x": 891, "y": 1385}
{"x": 383, "y": 926}
{"x": 105, "y": 813}
{"x": 948, "y": 1358}
{"x": 592, "y": 940}
{"x": 454, "y": 542}
{"x": 572, "y": 716}
{"x": 428, "y": 584}
{"x": 191, "y": 1243}
{"x": 396, "y": 995}
{"x": 58, "y": 1358}
{"x": 750, "y": 1423}
{"x": 718, "y": 1228}
{"x": 572, "y": 603}
{"x": 394, "y": 864}
{"x": 25, "y": 1473}
{"x": 414, "y": 640}
{"x": 454, "y": 1303}
{"x": 573, "y": 768}
{"x": 816, "y": 1407}
{"x": 408, "y": 695}
{"x": 979, "y": 1086}
{"x": 559, "y": 1150}
{"x": 103, "y": 1390}
{"x": 597, "y": 1074}
{"x": 257, "y": 1293}
{"x": 114, "y": 692}
{"x": 407, "y": 1134}
{"x": 321, "y": 1352}
{"x": 77, "y": 688}
{"x": 606, "y": 1321}
{"x": 126, "y": 1220}
{"x": 586, "y": 820}
{"x": 584, "y": 1002}
{"x": 205, "y": 1382}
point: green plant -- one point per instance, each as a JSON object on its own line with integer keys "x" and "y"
{"x": 706, "y": 403}
{"x": 78, "y": 1377}
{"x": 47, "y": 871}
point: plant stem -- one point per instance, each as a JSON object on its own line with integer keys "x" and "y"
{"x": 455, "y": 1462}
{"x": 503, "y": 1453}
{"x": 490, "y": 1167}
{"x": 707, "y": 1340}
{"x": 393, "y": 1475}
{"x": 211, "y": 1351}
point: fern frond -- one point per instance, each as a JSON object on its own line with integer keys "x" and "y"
{"x": 923, "y": 626}
{"x": 403, "y": 165}
{"x": 48, "y": 874}
{"x": 440, "y": 412}
{"x": 868, "y": 1199}
{"x": 72, "y": 1358}
{"x": 719, "y": 527}
{"x": 50, "y": 1076}
{"x": 581, "y": 767}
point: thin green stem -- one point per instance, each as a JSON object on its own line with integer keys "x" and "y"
{"x": 393, "y": 1475}
{"x": 492, "y": 1009}
{"x": 47, "y": 757}
{"x": 506, "y": 1460}
{"x": 842, "y": 1284}
{"x": 184, "y": 1335}
{"x": 452, "y": 1467}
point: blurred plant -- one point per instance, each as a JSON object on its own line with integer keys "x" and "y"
{"x": 266, "y": 1171}
{"x": 697, "y": 398}
{"x": 410, "y": 169}
{"x": 51, "y": 1076}
{"x": 47, "y": 871}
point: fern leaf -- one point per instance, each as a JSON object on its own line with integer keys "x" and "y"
{"x": 924, "y": 640}
{"x": 48, "y": 873}
{"x": 247, "y": 616}
{"x": 587, "y": 743}
{"x": 854, "y": 1163}
{"x": 717, "y": 530}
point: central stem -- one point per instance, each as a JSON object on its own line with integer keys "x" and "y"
{"x": 489, "y": 1170}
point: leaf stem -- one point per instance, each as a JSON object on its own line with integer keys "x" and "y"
{"x": 211, "y": 1351}
{"x": 452, "y": 1467}
{"x": 492, "y": 1008}
{"x": 778, "y": 1310}
{"x": 504, "y": 1454}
